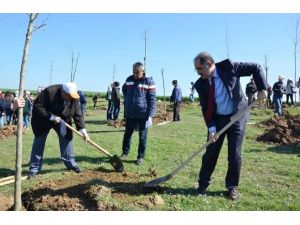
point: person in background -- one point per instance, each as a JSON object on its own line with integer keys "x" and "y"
{"x": 290, "y": 90}
{"x": 110, "y": 108}
{"x": 191, "y": 97}
{"x": 115, "y": 99}
{"x": 278, "y": 91}
{"x": 9, "y": 99}
{"x": 82, "y": 101}
{"x": 140, "y": 107}
{"x": 54, "y": 106}
{"x": 27, "y": 109}
{"x": 2, "y": 109}
{"x": 250, "y": 91}
{"x": 221, "y": 97}
{"x": 176, "y": 99}
{"x": 95, "y": 99}
{"x": 269, "y": 97}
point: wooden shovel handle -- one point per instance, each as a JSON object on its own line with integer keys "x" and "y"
{"x": 89, "y": 141}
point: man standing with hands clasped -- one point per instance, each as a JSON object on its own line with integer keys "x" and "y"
{"x": 140, "y": 106}
{"x": 221, "y": 97}
{"x": 54, "y": 104}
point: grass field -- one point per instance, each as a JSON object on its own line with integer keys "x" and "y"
{"x": 270, "y": 177}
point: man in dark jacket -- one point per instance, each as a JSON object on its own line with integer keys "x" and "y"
{"x": 115, "y": 99}
{"x": 278, "y": 91}
{"x": 53, "y": 104}
{"x": 250, "y": 91}
{"x": 176, "y": 99}
{"x": 221, "y": 96}
{"x": 140, "y": 106}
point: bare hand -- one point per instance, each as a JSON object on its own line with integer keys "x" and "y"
{"x": 18, "y": 103}
{"x": 213, "y": 137}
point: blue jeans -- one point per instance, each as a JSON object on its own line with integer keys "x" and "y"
{"x": 116, "y": 110}
{"x": 26, "y": 120}
{"x": 110, "y": 109}
{"x": 130, "y": 125}
{"x": 1, "y": 121}
{"x": 278, "y": 104}
{"x": 38, "y": 146}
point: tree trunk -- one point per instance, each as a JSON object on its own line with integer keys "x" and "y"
{"x": 162, "y": 75}
{"x": 18, "y": 174}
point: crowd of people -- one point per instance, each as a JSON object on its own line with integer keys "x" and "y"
{"x": 275, "y": 93}
{"x": 220, "y": 97}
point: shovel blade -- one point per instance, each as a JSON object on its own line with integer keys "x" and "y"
{"x": 117, "y": 163}
{"x": 158, "y": 181}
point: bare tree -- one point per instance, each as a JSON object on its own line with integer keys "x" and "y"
{"x": 162, "y": 75}
{"x": 114, "y": 73}
{"x": 226, "y": 39}
{"x": 51, "y": 73}
{"x": 295, "y": 41}
{"x": 73, "y": 73}
{"x": 17, "y": 195}
{"x": 145, "y": 55}
{"x": 266, "y": 66}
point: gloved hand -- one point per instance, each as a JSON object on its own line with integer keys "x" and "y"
{"x": 55, "y": 119}
{"x": 85, "y": 135}
{"x": 148, "y": 122}
{"x": 261, "y": 96}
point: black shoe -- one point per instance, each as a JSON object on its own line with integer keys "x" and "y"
{"x": 201, "y": 191}
{"x": 32, "y": 175}
{"x": 76, "y": 169}
{"x": 232, "y": 193}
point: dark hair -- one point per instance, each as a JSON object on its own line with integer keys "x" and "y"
{"x": 204, "y": 57}
{"x": 174, "y": 82}
{"x": 116, "y": 83}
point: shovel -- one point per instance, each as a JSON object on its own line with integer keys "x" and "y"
{"x": 115, "y": 161}
{"x": 159, "y": 180}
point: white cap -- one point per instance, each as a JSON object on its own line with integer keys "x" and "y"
{"x": 280, "y": 77}
{"x": 71, "y": 89}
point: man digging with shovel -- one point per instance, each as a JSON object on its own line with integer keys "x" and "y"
{"x": 221, "y": 97}
{"x": 53, "y": 104}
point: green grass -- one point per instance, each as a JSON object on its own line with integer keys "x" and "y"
{"x": 270, "y": 177}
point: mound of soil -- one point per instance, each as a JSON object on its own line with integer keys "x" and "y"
{"x": 8, "y": 131}
{"x": 282, "y": 130}
{"x": 90, "y": 190}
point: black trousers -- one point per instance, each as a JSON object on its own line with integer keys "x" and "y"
{"x": 235, "y": 136}
{"x": 176, "y": 110}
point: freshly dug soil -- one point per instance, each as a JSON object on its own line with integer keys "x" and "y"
{"x": 91, "y": 190}
{"x": 282, "y": 130}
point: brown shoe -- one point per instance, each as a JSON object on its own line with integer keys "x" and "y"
{"x": 232, "y": 193}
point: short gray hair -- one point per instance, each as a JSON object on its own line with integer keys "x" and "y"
{"x": 137, "y": 65}
{"x": 204, "y": 57}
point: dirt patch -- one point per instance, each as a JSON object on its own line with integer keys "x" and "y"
{"x": 6, "y": 202}
{"x": 282, "y": 130}
{"x": 90, "y": 190}
{"x": 8, "y": 131}
{"x": 116, "y": 123}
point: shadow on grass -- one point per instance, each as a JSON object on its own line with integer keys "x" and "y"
{"x": 4, "y": 172}
{"x": 96, "y": 122}
{"x": 285, "y": 149}
{"x": 105, "y": 131}
{"x": 78, "y": 159}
